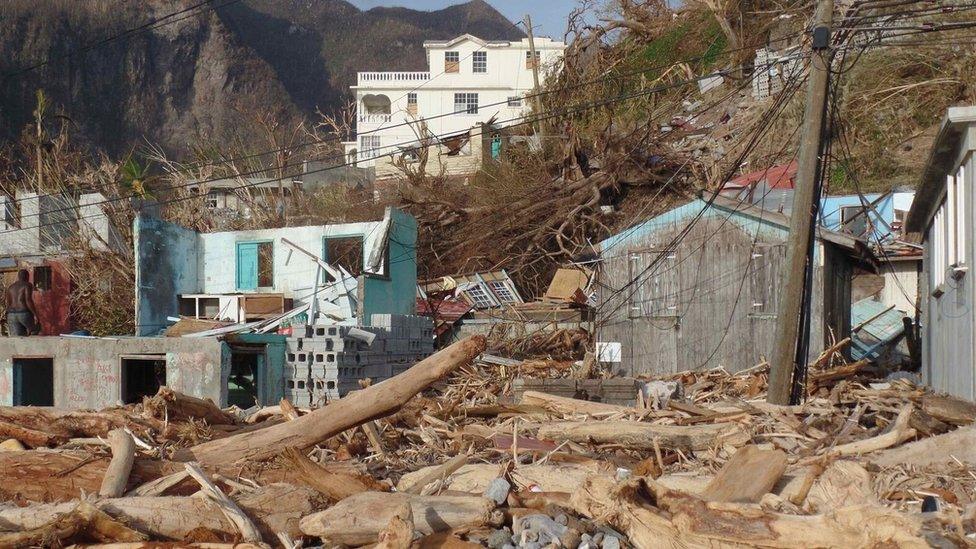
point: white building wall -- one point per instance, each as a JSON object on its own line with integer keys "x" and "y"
{"x": 507, "y": 76}
{"x": 950, "y": 321}
{"x": 901, "y": 286}
{"x": 291, "y": 267}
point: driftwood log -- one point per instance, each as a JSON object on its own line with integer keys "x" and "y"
{"x": 565, "y": 405}
{"x": 39, "y": 427}
{"x": 636, "y": 434}
{"x": 654, "y": 517}
{"x": 79, "y": 522}
{"x": 169, "y": 405}
{"x": 47, "y": 475}
{"x": 274, "y": 508}
{"x": 123, "y": 455}
{"x": 358, "y": 407}
{"x": 335, "y": 485}
{"x": 359, "y": 519}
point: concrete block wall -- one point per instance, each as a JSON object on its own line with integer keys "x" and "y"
{"x": 328, "y": 361}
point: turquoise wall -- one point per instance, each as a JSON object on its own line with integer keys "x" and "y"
{"x": 166, "y": 266}
{"x": 396, "y": 292}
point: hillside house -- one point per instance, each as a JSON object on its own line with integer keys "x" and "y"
{"x": 712, "y": 300}
{"x": 942, "y": 217}
{"x": 468, "y": 81}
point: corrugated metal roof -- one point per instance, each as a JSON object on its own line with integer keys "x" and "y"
{"x": 879, "y": 324}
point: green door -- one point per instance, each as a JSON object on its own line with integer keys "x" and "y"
{"x": 247, "y": 265}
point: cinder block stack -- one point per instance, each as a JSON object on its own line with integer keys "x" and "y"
{"x": 330, "y": 360}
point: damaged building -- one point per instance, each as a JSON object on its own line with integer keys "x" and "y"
{"x": 242, "y": 317}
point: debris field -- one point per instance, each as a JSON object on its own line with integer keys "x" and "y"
{"x": 443, "y": 455}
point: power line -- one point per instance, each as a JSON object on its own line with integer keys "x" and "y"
{"x": 410, "y": 145}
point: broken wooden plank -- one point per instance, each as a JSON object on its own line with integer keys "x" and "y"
{"x": 748, "y": 476}
{"x": 438, "y": 473}
{"x": 949, "y": 409}
{"x": 565, "y": 405}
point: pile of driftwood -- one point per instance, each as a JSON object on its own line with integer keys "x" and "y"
{"x": 441, "y": 456}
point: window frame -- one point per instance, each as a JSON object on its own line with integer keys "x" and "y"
{"x": 452, "y": 66}
{"x": 370, "y": 151}
{"x": 515, "y": 101}
{"x": 257, "y": 267}
{"x": 469, "y": 107}
{"x": 479, "y": 62}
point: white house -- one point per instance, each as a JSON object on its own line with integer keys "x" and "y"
{"x": 944, "y": 217}
{"x": 468, "y": 81}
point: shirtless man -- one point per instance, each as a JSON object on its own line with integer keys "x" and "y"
{"x": 21, "y": 314}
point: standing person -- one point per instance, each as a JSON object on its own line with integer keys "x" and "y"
{"x": 21, "y": 314}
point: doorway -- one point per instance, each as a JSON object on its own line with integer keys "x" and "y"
{"x": 33, "y": 382}
{"x": 244, "y": 386}
{"x": 142, "y": 376}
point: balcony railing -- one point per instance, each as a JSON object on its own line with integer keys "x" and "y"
{"x": 388, "y": 78}
{"x": 375, "y": 118}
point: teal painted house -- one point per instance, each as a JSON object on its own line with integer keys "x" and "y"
{"x": 698, "y": 287}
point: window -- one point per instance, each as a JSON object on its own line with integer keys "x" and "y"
{"x": 255, "y": 265}
{"x": 369, "y": 146}
{"x": 479, "y": 297}
{"x": 43, "y": 278}
{"x": 531, "y": 59}
{"x": 515, "y": 101}
{"x": 502, "y": 291}
{"x": 480, "y": 62}
{"x": 412, "y": 103}
{"x": 345, "y": 252}
{"x": 142, "y": 376}
{"x": 854, "y": 220}
{"x": 33, "y": 382}
{"x": 211, "y": 200}
{"x": 466, "y": 103}
{"x": 452, "y": 61}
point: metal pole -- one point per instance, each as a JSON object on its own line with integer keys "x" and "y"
{"x": 798, "y": 250}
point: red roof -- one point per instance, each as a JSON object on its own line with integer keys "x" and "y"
{"x": 444, "y": 311}
{"x": 776, "y": 177}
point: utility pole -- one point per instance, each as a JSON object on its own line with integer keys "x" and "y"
{"x": 536, "y": 58}
{"x": 798, "y": 252}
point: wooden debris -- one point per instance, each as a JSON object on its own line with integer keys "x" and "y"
{"x": 359, "y": 519}
{"x": 438, "y": 473}
{"x": 635, "y": 434}
{"x": 360, "y": 406}
{"x": 168, "y": 404}
{"x": 949, "y": 409}
{"x": 649, "y": 513}
{"x": 399, "y": 532}
{"x": 82, "y": 523}
{"x": 564, "y": 405}
{"x": 335, "y": 486}
{"x": 123, "y": 455}
{"x": 750, "y": 474}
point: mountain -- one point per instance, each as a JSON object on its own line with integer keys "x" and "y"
{"x": 209, "y": 72}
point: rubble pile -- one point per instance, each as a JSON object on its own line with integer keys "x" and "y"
{"x": 442, "y": 456}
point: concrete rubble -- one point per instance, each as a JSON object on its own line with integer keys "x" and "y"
{"x": 442, "y": 454}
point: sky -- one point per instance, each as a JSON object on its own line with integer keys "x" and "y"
{"x": 548, "y": 16}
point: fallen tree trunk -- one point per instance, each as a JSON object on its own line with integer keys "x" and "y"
{"x": 359, "y": 519}
{"x": 360, "y": 406}
{"x": 123, "y": 455}
{"x": 168, "y": 404}
{"x": 653, "y": 517}
{"x": 636, "y": 434}
{"x": 46, "y": 475}
{"x": 274, "y": 508}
